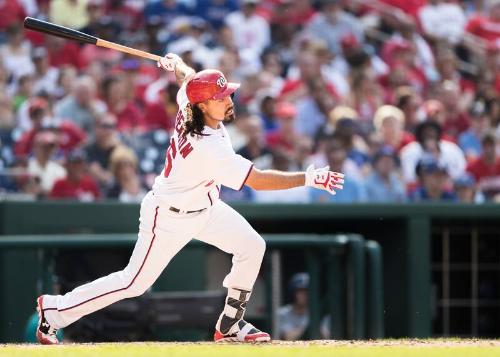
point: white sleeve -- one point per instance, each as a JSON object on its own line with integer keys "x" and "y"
{"x": 182, "y": 99}
{"x": 226, "y": 167}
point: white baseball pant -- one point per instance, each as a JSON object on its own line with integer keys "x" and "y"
{"x": 163, "y": 233}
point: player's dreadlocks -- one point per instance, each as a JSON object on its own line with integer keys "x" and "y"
{"x": 194, "y": 123}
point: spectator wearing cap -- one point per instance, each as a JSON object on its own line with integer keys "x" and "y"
{"x": 77, "y": 185}
{"x": 42, "y": 163}
{"x": 336, "y": 157}
{"x": 470, "y": 140}
{"x": 433, "y": 181}
{"x": 332, "y": 23}
{"x": 466, "y": 190}
{"x": 11, "y": 12}
{"x": 69, "y": 135}
{"x": 128, "y": 186}
{"x": 251, "y": 32}
{"x": 486, "y": 168}
{"x": 430, "y": 142}
{"x": 389, "y": 122}
{"x": 285, "y": 136}
{"x": 45, "y": 76}
{"x": 82, "y": 106}
{"x": 384, "y": 184}
{"x": 293, "y": 318}
{"x": 106, "y": 139}
{"x": 69, "y": 13}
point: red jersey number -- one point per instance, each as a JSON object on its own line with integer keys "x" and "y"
{"x": 171, "y": 152}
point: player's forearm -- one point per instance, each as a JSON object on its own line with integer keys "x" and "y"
{"x": 274, "y": 180}
{"x": 182, "y": 71}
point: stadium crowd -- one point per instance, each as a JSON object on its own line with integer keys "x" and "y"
{"x": 400, "y": 95}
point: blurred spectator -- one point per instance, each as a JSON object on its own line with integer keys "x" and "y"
{"x": 128, "y": 186}
{"x": 45, "y": 76}
{"x": 456, "y": 120}
{"x": 442, "y": 20}
{"x": 486, "y": 168}
{"x": 256, "y": 149}
{"x": 354, "y": 190}
{"x": 63, "y": 52}
{"x": 69, "y": 135}
{"x": 267, "y": 111}
{"x": 60, "y": 11}
{"x": 384, "y": 184}
{"x": 100, "y": 150}
{"x": 389, "y": 122}
{"x": 77, "y": 184}
{"x": 15, "y": 53}
{"x": 293, "y": 318}
{"x": 482, "y": 28}
{"x": 168, "y": 10}
{"x": 65, "y": 81}
{"x": 118, "y": 99}
{"x": 365, "y": 97}
{"x": 11, "y": 12}
{"x": 17, "y": 183}
{"x": 313, "y": 109}
{"x": 285, "y": 136}
{"x": 332, "y": 23}
{"x": 250, "y": 31}
{"x": 470, "y": 140}
{"x": 303, "y": 151}
{"x": 42, "y": 163}
{"x": 215, "y": 11}
{"x": 409, "y": 101}
{"x": 429, "y": 142}
{"x": 465, "y": 189}
{"x": 433, "y": 181}
{"x": 337, "y": 113}
{"x": 81, "y": 106}
{"x": 24, "y": 90}
{"x": 161, "y": 113}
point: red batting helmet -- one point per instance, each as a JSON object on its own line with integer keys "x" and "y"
{"x": 209, "y": 84}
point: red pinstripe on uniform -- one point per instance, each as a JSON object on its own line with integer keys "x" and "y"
{"x": 121, "y": 289}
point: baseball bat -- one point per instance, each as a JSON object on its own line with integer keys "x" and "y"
{"x": 71, "y": 34}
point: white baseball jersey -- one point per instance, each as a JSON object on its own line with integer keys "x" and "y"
{"x": 196, "y": 166}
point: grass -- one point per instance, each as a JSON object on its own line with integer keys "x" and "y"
{"x": 387, "y": 348}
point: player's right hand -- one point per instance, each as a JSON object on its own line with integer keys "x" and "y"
{"x": 324, "y": 179}
{"x": 169, "y": 62}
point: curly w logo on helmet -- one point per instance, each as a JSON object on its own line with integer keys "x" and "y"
{"x": 221, "y": 82}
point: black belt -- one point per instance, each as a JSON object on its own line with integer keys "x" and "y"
{"x": 176, "y": 210}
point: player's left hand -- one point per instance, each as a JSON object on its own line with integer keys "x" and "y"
{"x": 169, "y": 62}
{"x": 324, "y": 179}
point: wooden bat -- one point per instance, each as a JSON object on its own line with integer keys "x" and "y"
{"x": 70, "y": 34}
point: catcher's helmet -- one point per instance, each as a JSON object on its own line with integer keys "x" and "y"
{"x": 209, "y": 84}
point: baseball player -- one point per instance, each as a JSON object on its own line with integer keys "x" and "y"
{"x": 184, "y": 203}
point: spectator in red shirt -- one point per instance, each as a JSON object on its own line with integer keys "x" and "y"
{"x": 77, "y": 184}
{"x": 118, "y": 98}
{"x": 486, "y": 28}
{"x": 456, "y": 119}
{"x": 284, "y": 138}
{"x": 62, "y": 52}
{"x": 486, "y": 168}
{"x": 161, "y": 113}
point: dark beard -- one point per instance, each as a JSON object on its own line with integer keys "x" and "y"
{"x": 229, "y": 118}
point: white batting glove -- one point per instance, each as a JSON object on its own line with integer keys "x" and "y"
{"x": 324, "y": 179}
{"x": 169, "y": 62}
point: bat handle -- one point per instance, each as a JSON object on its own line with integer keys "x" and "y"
{"x": 129, "y": 50}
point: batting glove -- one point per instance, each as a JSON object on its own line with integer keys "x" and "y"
{"x": 324, "y": 179}
{"x": 169, "y": 62}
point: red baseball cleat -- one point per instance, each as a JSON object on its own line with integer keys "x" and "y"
{"x": 242, "y": 332}
{"x": 45, "y": 334}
